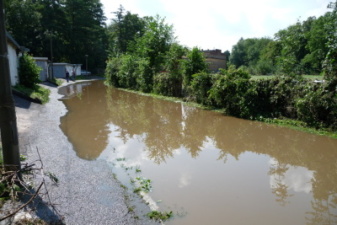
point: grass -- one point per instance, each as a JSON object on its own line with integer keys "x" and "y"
{"x": 57, "y": 82}
{"x": 37, "y": 93}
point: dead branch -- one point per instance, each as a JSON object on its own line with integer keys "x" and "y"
{"x": 24, "y": 205}
{"x": 13, "y": 178}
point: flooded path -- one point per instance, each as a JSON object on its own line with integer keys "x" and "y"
{"x": 205, "y": 167}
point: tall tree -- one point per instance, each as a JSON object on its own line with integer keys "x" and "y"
{"x": 195, "y": 63}
{"x": 330, "y": 64}
{"x": 23, "y": 21}
{"x": 86, "y": 33}
{"x": 124, "y": 30}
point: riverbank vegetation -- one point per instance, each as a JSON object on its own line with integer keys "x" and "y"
{"x": 145, "y": 56}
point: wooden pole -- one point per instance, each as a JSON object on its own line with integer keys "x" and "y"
{"x": 9, "y": 132}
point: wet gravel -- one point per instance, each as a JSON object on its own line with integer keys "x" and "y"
{"x": 86, "y": 192}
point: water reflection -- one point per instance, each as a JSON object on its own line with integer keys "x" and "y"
{"x": 299, "y": 163}
{"x": 86, "y": 122}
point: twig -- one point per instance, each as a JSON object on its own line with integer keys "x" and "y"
{"x": 24, "y": 205}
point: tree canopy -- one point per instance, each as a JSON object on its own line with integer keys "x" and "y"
{"x": 66, "y": 29}
{"x": 301, "y": 48}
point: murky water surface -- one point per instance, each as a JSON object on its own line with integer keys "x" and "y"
{"x": 205, "y": 167}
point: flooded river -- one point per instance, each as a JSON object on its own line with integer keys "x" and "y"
{"x": 205, "y": 167}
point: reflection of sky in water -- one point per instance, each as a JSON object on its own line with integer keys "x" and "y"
{"x": 297, "y": 178}
{"x": 123, "y": 150}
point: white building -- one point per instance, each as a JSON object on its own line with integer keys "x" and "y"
{"x": 14, "y": 52}
{"x": 42, "y": 62}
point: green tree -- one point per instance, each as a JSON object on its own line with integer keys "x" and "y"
{"x": 194, "y": 63}
{"x": 330, "y": 62}
{"x": 86, "y": 33}
{"x": 124, "y": 29}
{"x": 23, "y": 21}
{"x": 169, "y": 82}
{"x": 247, "y": 52}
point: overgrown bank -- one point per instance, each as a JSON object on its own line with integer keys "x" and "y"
{"x": 291, "y": 101}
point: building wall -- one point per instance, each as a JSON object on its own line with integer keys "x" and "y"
{"x": 216, "y": 59}
{"x": 216, "y": 64}
{"x": 13, "y": 64}
{"x": 42, "y": 62}
{"x": 59, "y": 71}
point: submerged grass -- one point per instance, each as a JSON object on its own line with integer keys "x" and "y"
{"x": 160, "y": 216}
{"x": 300, "y": 126}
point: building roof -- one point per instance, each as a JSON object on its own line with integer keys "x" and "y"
{"x": 40, "y": 58}
{"x": 12, "y": 40}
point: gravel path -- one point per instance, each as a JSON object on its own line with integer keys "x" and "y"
{"x": 87, "y": 192}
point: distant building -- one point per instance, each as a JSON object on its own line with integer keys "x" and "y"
{"x": 42, "y": 62}
{"x": 215, "y": 59}
{"x": 59, "y": 69}
{"x": 14, "y": 52}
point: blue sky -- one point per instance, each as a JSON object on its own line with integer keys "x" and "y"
{"x": 210, "y": 24}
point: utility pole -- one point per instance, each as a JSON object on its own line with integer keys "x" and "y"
{"x": 86, "y": 64}
{"x": 9, "y": 132}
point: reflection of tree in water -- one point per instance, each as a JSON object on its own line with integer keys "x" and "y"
{"x": 279, "y": 188}
{"x": 195, "y": 130}
{"x": 157, "y": 122}
{"x": 321, "y": 213}
{"x": 167, "y": 126}
{"x": 86, "y": 119}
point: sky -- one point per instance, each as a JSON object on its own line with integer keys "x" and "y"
{"x": 219, "y": 24}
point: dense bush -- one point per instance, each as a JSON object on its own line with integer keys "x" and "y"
{"x": 145, "y": 74}
{"x": 28, "y": 71}
{"x": 200, "y": 85}
{"x": 232, "y": 91}
{"x": 318, "y": 107}
{"x": 111, "y": 71}
{"x": 163, "y": 84}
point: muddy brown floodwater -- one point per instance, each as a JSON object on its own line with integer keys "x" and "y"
{"x": 205, "y": 167}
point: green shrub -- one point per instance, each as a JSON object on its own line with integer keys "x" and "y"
{"x": 232, "y": 91}
{"x": 200, "y": 86}
{"x": 28, "y": 71}
{"x": 163, "y": 84}
{"x": 111, "y": 71}
{"x": 144, "y": 75}
{"x": 318, "y": 107}
{"x": 127, "y": 72}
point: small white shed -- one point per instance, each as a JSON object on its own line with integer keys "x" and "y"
{"x": 42, "y": 62}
